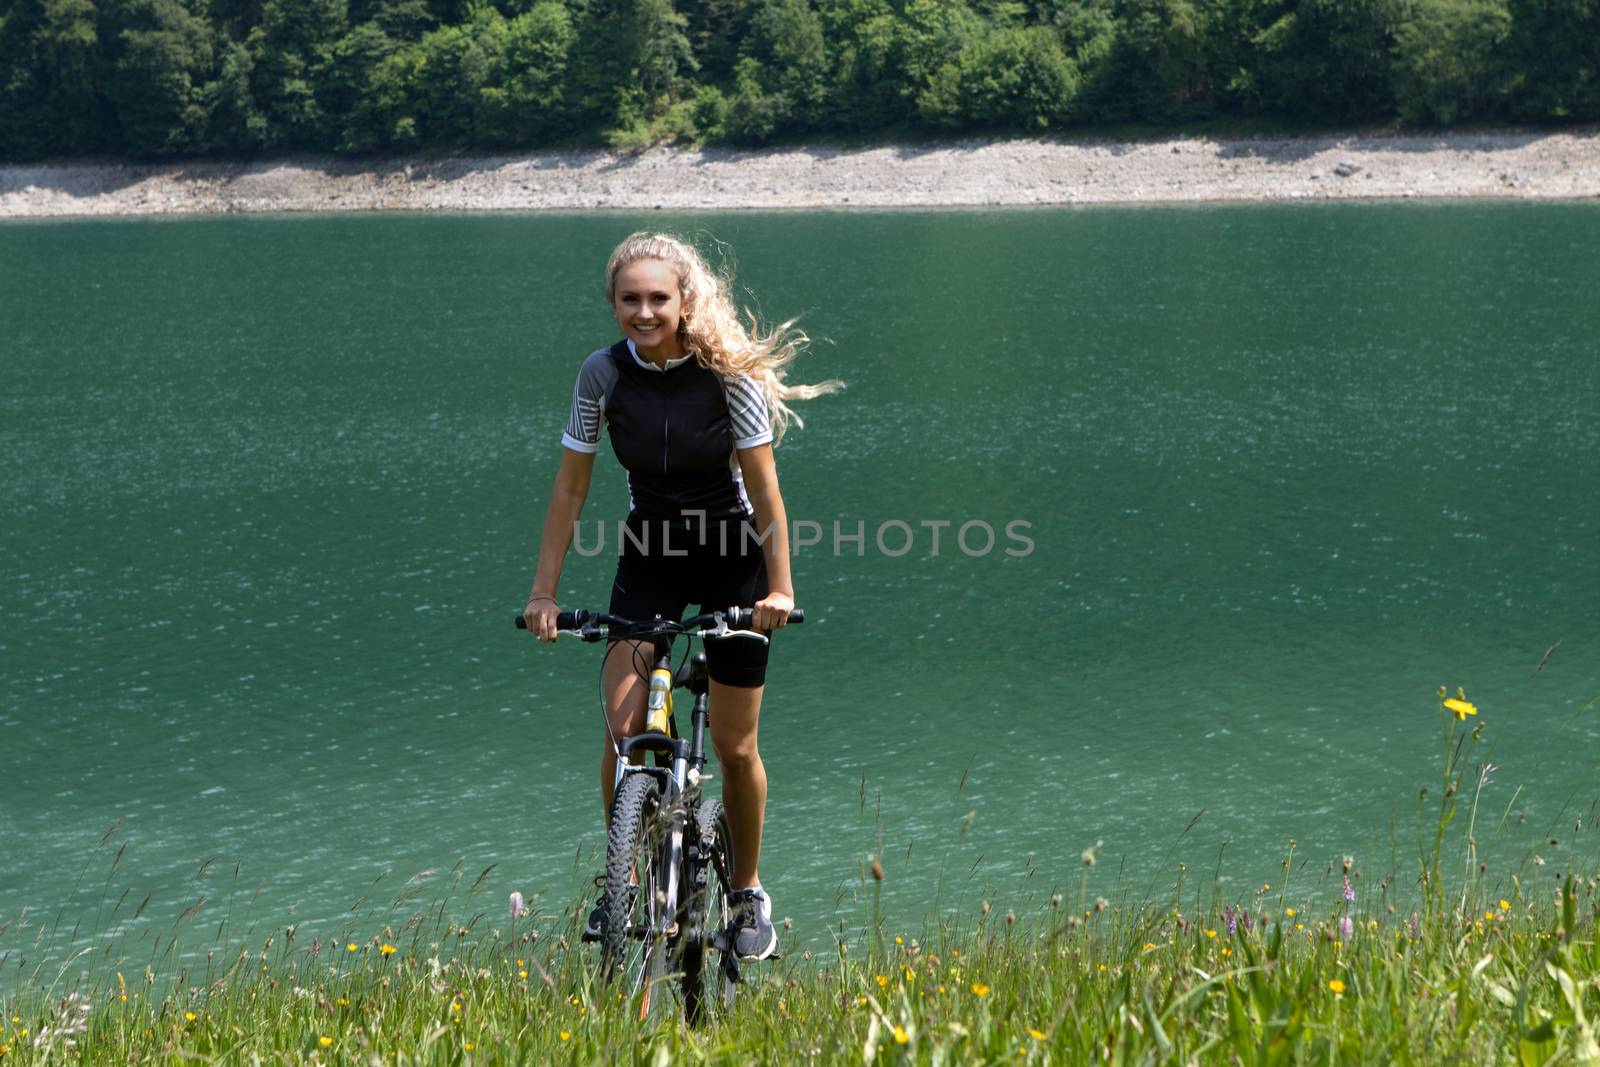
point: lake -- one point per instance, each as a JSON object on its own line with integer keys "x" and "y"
{"x": 1260, "y": 480}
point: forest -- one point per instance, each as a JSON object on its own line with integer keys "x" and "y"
{"x": 185, "y": 78}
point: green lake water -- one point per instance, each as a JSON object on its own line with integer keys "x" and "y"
{"x": 272, "y": 488}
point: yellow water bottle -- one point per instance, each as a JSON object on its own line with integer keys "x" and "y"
{"x": 659, "y": 717}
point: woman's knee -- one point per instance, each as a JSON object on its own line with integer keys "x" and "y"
{"x": 737, "y": 751}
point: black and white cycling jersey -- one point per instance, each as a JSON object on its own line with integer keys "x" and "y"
{"x": 674, "y": 429}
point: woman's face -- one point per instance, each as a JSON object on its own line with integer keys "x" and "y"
{"x": 649, "y": 305}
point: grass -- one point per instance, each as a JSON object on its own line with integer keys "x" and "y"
{"x": 1349, "y": 969}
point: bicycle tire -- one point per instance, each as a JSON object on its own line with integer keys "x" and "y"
{"x": 707, "y": 992}
{"x": 633, "y": 947}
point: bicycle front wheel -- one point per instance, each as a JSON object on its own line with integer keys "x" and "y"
{"x": 633, "y": 936}
{"x": 709, "y": 982}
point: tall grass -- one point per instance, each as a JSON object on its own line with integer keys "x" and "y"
{"x": 1343, "y": 969}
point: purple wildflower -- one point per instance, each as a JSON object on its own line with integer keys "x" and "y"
{"x": 1412, "y": 925}
{"x": 1347, "y": 928}
{"x": 1349, "y": 893}
{"x": 1231, "y": 917}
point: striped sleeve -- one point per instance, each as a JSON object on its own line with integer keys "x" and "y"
{"x": 747, "y": 409}
{"x": 595, "y": 379}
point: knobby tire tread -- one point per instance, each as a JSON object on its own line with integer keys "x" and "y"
{"x": 635, "y": 824}
{"x": 706, "y": 991}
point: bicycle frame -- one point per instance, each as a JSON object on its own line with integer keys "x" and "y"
{"x": 680, "y": 762}
{"x": 678, "y": 770}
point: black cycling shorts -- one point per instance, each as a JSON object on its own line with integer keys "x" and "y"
{"x": 664, "y": 565}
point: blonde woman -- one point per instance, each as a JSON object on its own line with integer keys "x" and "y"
{"x": 693, "y": 402}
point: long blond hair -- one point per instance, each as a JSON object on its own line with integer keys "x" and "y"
{"x": 712, "y": 331}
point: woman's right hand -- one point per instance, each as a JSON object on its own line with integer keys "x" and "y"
{"x": 540, "y": 616}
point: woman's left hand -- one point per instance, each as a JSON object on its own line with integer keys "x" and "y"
{"x": 772, "y": 611}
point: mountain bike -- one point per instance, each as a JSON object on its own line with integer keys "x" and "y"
{"x": 669, "y": 855}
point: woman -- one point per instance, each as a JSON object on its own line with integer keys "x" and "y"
{"x": 694, "y": 403}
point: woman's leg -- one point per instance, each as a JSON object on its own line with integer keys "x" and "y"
{"x": 627, "y": 690}
{"x": 735, "y": 714}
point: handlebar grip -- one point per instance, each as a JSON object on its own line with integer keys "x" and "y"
{"x": 739, "y": 618}
{"x": 566, "y": 620}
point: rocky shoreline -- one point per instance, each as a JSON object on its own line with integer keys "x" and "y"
{"x": 1505, "y": 164}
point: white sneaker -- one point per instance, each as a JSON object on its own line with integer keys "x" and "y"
{"x": 751, "y": 924}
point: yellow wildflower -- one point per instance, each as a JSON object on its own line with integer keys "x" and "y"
{"x": 566, "y": 1035}
{"x": 883, "y": 981}
{"x": 467, "y": 1046}
{"x": 1148, "y": 945}
{"x": 1461, "y": 708}
{"x": 522, "y": 974}
{"x": 1505, "y": 905}
{"x": 1299, "y": 926}
{"x": 1102, "y": 968}
{"x": 909, "y": 974}
{"x": 1337, "y": 986}
{"x": 899, "y": 940}
{"x": 351, "y": 947}
{"x": 1289, "y": 912}
{"x": 979, "y": 989}
{"x": 1037, "y": 1035}
{"x": 1211, "y": 933}
{"x": 900, "y": 1035}
{"x": 387, "y": 950}
{"x": 189, "y": 1016}
{"x": 1227, "y": 952}
{"x": 324, "y": 1040}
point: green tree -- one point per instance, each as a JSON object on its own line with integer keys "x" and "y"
{"x": 863, "y": 37}
{"x": 1444, "y": 58}
{"x": 1553, "y": 55}
{"x": 527, "y": 105}
{"x": 716, "y": 29}
{"x": 1157, "y": 67}
{"x": 788, "y": 41}
{"x": 753, "y": 112}
{"x": 292, "y": 51}
{"x": 51, "y": 100}
{"x": 931, "y": 38}
{"x": 658, "y": 47}
{"x": 1330, "y": 59}
{"x": 347, "y": 90}
{"x": 235, "y": 124}
{"x": 158, "y": 82}
{"x": 1009, "y": 77}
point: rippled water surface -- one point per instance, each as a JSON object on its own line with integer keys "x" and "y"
{"x": 272, "y": 489}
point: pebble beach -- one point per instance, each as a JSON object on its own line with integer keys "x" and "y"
{"x": 973, "y": 173}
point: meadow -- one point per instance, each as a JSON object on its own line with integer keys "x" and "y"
{"x": 1443, "y": 959}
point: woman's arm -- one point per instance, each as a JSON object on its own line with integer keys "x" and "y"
{"x": 761, "y": 485}
{"x": 560, "y": 519}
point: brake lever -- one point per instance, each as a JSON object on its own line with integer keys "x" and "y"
{"x": 725, "y": 632}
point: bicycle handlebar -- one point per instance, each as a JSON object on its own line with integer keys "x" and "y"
{"x": 736, "y": 618}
